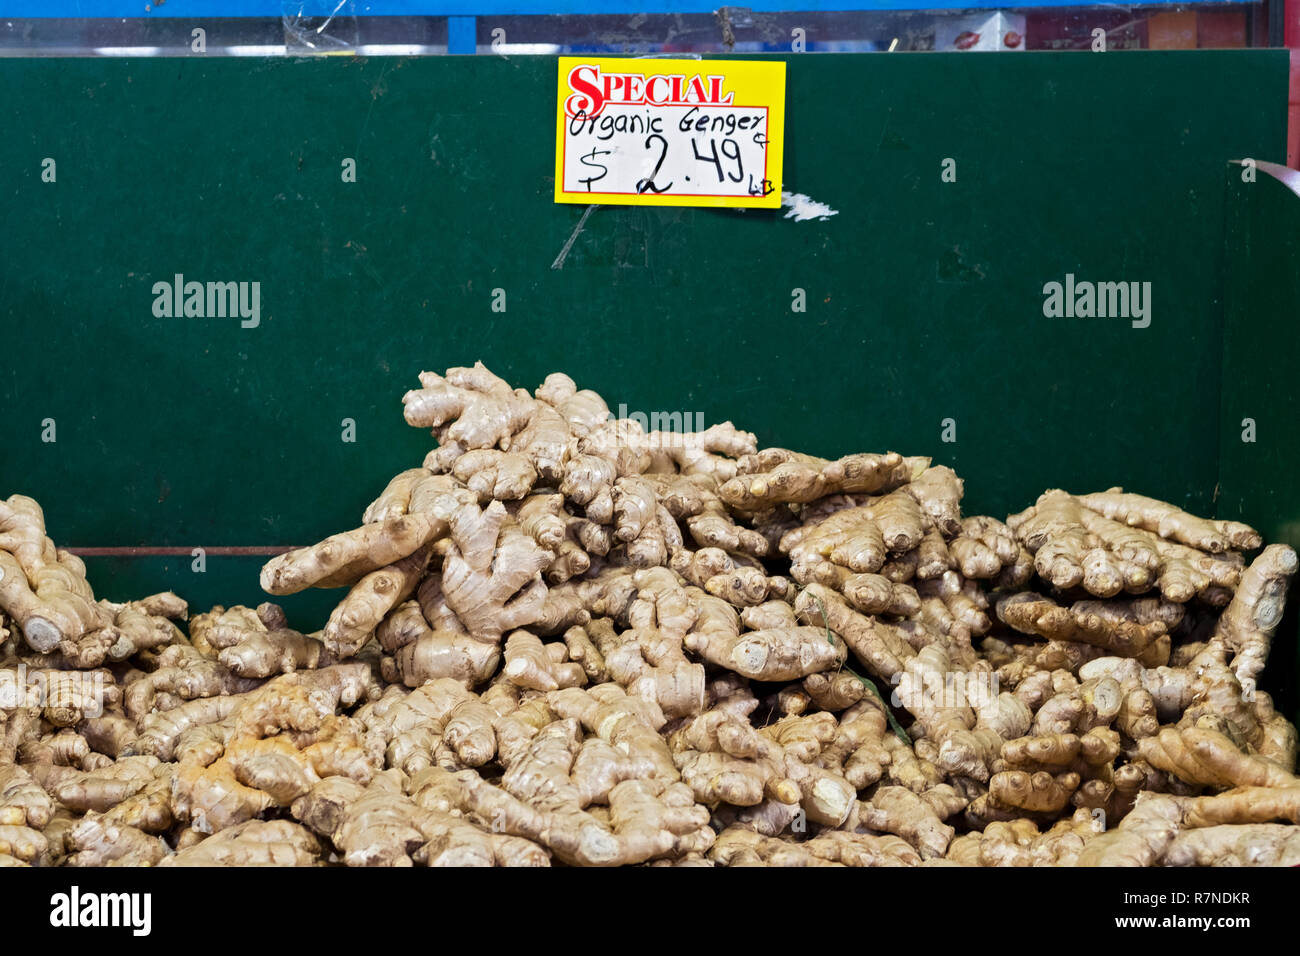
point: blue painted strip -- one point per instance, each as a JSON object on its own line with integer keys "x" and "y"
{"x": 91, "y": 9}
{"x": 462, "y": 35}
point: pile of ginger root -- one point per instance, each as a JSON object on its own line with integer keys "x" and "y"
{"x": 567, "y": 640}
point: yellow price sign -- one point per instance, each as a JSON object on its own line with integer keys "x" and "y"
{"x": 669, "y": 132}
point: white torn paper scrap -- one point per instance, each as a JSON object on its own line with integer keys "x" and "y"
{"x": 802, "y": 207}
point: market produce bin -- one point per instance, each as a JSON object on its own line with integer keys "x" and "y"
{"x": 177, "y": 451}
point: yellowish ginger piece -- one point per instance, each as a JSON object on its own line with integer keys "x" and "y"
{"x": 184, "y": 672}
{"x": 376, "y": 825}
{"x": 835, "y": 691}
{"x": 710, "y": 524}
{"x": 849, "y": 539}
{"x": 302, "y": 700}
{"x": 255, "y": 774}
{"x": 1228, "y": 829}
{"x": 344, "y": 559}
{"x": 858, "y": 750}
{"x": 725, "y": 760}
{"x": 648, "y": 817}
{"x": 984, "y": 547}
{"x": 1136, "y": 628}
{"x": 879, "y": 645}
{"x": 21, "y": 843}
{"x": 255, "y": 843}
{"x": 1249, "y": 621}
{"x": 589, "y": 483}
{"x": 964, "y": 602}
{"x": 440, "y": 496}
{"x": 56, "y": 834}
{"x": 161, "y": 730}
{"x": 456, "y": 843}
{"x": 775, "y": 475}
{"x": 1080, "y": 707}
{"x": 647, "y": 663}
{"x": 257, "y": 643}
{"x": 23, "y": 802}
{"x": 95, "y": 842}
{"x": 803, "y": 736}
{"x": 566, "y": 602}
{"x": 1041, "y": 752}
{"x": 67, "y": 697}
{"x": 582, "y": 410}
{"x": 100, "y": 789}
{"x": 658, "y": 539}
{"x": 1140, "y": 555}
{"x": 453, "y": 840}
{"x": 1243, "y": 805}
{"x": 584, "y": 651}
{"x": 354, "y": 620}
{"x": 938, "y": 491}
{"x": 1216, "y": 698}
{"x": 712, "y": 452}
{"x": 1038, "y": 792}
{"x": 542, "y": 517}
{"x": 478, "y": 409}
{"x": 900, "y": 520}
{"x": 1208, "y": 758}
{"x": 1084, "y": 546}
{"x": 769, "y": 817}
{"x": 917, "y": 818}
{"x": 439, "y": 714}
{"x": 42, "y": 589}
{"x": 1186, "y": 573}
{"x": 491, "y": 576}
{"x": 722, "y": 575}
{"x": 771, "y": 655}
{"x": 1142, "y": 837}
{"x": 143, "y": 625}
{"x": 1066, "y": 554}
{"x": 1019, "y": 843}
{"x": 738, "y": 845}
{"x": 395, "y": 500}
{"x": 536, "y": 666}
{"x": 17, "y": 726}
{"x": 1277, "y": 736}
{"x": 876, "y": 594}
{"x": 943, "y": 707}
{"x": 635, "y": 506}
{"x": 1253, "y": 844}
{"x": 1138, "y": 511}
{"x": 933, "y": 557}
{"x": 67, "y": 748}
{"x": 149, "y": 809}
{"x": 571, "y": 555}
{"x": 545, "y": 442}
{"x": 276, "y": 652}
{"x": 488, "y": 473}
{"x": 421, "y": 654}
{"x": 662, "y": 603}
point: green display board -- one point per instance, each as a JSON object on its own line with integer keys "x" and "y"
{"x": 924, "y": 298}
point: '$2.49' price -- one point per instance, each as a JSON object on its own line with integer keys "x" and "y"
{"x": 642, "y": 154}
